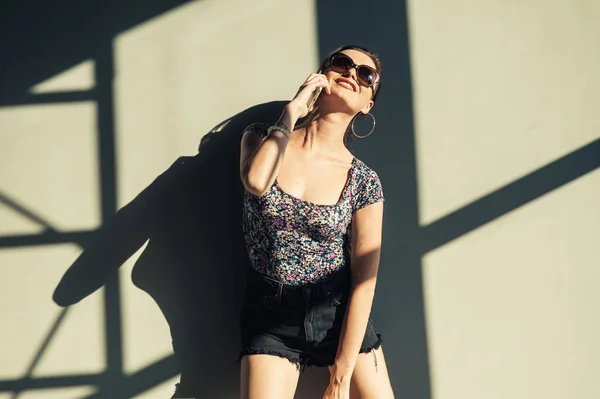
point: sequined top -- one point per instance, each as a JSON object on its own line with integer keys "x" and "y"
{"x": 298, "y": 242}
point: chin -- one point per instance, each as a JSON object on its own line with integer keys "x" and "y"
{"x": 338, "y": 103}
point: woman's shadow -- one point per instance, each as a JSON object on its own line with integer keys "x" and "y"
{"x": 195, "y": 262}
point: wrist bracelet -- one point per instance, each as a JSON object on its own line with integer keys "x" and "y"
{"x": 282, "y": 129}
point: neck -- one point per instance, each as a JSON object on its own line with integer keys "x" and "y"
{"x": 326, "y": 131}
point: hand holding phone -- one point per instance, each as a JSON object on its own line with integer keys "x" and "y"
{"x": 315, "y": 94}
{"x": 308, "y": 94}
{"x": 313, "y": 98}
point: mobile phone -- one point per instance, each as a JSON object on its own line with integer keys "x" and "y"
{"x": 313, "y": 97}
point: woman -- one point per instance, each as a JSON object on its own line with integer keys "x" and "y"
{"x": 312, "y": 222}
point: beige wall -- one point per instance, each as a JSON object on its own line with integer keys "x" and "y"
{"x": 500, "y": 90}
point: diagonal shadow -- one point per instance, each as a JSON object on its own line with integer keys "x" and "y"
{"x": 129, "y": 386}
{"x": 12, "y": 204}
{"x": 72, "y": 380}
{"x": 512, "y": 196}
{"x": 21, "y": 210}
{"x": 142, "y": 380}
{"x": 42, "y": 349}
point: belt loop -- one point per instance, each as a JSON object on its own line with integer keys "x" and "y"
{"x": 279, "y": 294}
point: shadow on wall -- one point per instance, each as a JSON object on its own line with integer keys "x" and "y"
{"x": 195, "y": 262}
{"x": 398, "y": 310}
{"x": 39, "y": 39}
{"x": 210, "y": 253}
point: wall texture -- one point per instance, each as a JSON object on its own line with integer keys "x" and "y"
{"x": 506, "y": 114}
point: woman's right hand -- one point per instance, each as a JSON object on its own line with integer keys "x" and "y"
{"x": 298, "y": 107}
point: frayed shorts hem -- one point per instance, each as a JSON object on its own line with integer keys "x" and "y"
{"x": 301, "y": 361}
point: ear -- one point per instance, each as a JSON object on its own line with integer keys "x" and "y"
{"x": 368, "y": 107}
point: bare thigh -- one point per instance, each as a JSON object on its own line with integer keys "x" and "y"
{"x": 370, "y": 379}
{"x": 268, "y": 377}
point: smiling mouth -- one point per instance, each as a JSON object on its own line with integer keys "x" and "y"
{"x": 345, "y": 85}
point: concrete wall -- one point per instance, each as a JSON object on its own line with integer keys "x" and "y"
{"x": 503, "y": 93}
{"x": 486, "y": 143}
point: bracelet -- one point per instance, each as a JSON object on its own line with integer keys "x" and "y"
{"x": 283, "y": 129}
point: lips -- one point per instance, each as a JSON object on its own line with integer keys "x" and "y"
{"x": 347, "y": 84}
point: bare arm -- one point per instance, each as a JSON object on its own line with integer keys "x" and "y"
{"x": 366, "y": 248}
{"x": 260, "y": 159}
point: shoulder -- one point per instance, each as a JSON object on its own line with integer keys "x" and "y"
{"x": 363, "y": 173}
{"x": 366, "y": 186}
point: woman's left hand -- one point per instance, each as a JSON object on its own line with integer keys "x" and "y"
{"x": 337, "y": 391}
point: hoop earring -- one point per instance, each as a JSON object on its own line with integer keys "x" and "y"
{"x": 366, "y": 135}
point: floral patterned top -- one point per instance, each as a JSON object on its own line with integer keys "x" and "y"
{"x": 298, "y": 242}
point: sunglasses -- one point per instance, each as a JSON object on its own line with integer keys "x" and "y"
{"x": 366, "y": 75}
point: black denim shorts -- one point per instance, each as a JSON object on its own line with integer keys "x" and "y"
{"x": 299, "y": 323}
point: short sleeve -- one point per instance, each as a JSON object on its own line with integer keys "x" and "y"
{"x": 368, "y": 190}
{"x": 260, "y": 128}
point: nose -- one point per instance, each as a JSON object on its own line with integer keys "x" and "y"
{"x": 351, "y": 73}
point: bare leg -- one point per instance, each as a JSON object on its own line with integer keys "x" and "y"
{"x": 370, "y": 379}
{"x": 268, "y": 377}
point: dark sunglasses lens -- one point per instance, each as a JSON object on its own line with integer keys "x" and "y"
{"x": 341, "y": 63}
{"x": 366, "y": 76}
